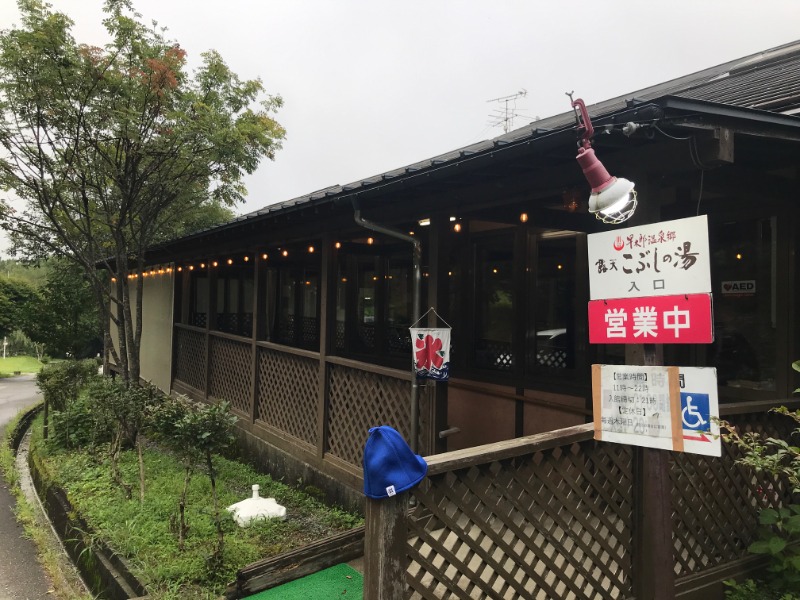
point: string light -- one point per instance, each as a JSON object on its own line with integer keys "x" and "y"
{"x": 337, "y": 245}
{"x": 264, "y": 256}
{"x": 523, "y": 217}
{"x": 214, "y": 264}
{"x": 311, "y": 249}
{"x": 230, "y": 261}
{"x": 285, "y": 253}
{"x": 246, "y": 259}
{"x": 370, "y": 241}
{"x": 457, "y": 227}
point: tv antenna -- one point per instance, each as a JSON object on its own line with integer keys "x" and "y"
{"x": 505, "y": 114}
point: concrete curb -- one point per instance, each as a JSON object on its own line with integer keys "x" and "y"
{"x": 106, "y": 573}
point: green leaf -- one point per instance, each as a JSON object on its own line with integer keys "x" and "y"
{"x": 768, "y": 516}
{"x": 759, "y": 547}
{"x": 792, "y": 524}
{"x": 776, "y": 544}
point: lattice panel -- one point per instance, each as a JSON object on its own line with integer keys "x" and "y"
{"x": 716, "y": 502}
{"x": 554, "y": 359}
{"x": 190, "y": 358}
{"x": 339, "y": 335}
{"x": 309, "y": 331}
{"x": 366, "y": 333}
{"x": 236, "y": 323}
{"x": 229, "y": 377}
{"x": 399, "y": 340}
{"x": 287, "y": 393}
{"x": 285, "y": 330}
{"x": 494, "y": 355}
{"x": 360, "y": 400}
{"x": 555, "y": 524}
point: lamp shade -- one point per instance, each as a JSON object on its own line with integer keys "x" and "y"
{"x": 613, "y": 200}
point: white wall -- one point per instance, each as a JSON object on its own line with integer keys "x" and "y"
{"x": 156, "y": 355}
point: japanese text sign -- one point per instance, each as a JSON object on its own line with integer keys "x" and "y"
{"x": 637, "y": 405}
{"x": 431, "y": 353}
{"x": 670, "y": 408}
{"x": 660, "y": 259}
{"x": 684, "y": 319}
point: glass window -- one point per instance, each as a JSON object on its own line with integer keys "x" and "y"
{"x": 494, "y": 310}
{"x": 743, "y": 266}
{"x": 367, "y": 299}
{"x": 198, "y": 304}
{"x": 235, "y": 299}
{"x": 551, "y": 343}
{"x": 293, "y": 302}
{"x": 399, "y": 305}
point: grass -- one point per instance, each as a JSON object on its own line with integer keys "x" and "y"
{"x": 23, "y": 364}
{"x": 144, "y": 533}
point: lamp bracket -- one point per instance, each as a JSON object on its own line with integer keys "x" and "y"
{"x": 585, "y": 128}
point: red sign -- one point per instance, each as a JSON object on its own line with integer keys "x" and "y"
{"x": 684, "y": 319}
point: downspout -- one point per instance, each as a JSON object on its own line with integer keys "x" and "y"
{"x": 417, "y": 260}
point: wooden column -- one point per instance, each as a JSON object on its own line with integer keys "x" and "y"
{"x": 211, "y": 313}
{"x": 654, "y": 563}
{"x": 327, "y": 321}
{"x": 258, "y": 273}
{"x": 385, "y": 548}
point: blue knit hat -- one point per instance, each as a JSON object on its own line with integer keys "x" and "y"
{"x": 390, "y": 466}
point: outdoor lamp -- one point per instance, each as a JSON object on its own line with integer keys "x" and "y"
{"x": 613, "y": 199}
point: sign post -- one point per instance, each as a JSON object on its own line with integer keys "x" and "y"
{"x": 651, "y": 285}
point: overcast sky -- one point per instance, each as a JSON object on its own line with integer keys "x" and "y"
{"x": 371, "y": 85}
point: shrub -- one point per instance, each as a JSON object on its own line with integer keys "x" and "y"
{"x": 61, "y": 382}
{"x": 779, "y": 535}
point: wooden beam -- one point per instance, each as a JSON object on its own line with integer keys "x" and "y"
{"x": 286, "y": 567}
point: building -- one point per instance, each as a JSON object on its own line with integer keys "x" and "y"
{"x": 298, "y": 313}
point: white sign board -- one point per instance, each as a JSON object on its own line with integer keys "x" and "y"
{"x": 670, "y": 408}
{"x": 660, "y": 259}
{"x": 700, "y": 410}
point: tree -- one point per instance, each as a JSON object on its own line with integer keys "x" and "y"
{"x": 15, "y": 297}
{"x": 65, "y": 319}
{"x": 108, "y": 146}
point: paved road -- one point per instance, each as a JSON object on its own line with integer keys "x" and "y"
{"x": 21, "y": 577}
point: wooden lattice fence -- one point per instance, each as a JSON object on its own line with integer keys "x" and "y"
{"x": 554, "y": 516}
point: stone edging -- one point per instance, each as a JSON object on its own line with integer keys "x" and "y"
{"x": 106, "y": 574}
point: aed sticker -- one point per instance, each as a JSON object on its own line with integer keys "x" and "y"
{"x": 745, "y": 287}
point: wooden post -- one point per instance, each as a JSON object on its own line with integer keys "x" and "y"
{"x": 654, "y": 563}
{"x": 385, "y": 547}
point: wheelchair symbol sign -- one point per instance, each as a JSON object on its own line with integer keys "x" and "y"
{"x": 695, "y": 411}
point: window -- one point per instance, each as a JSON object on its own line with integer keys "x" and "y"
{"x": 198, "y": 298}
{"x": 292, "y": 302}
{"x": 551, "y": 340}
{"x": 743, "y": 267}
{"x": 494, "y": 309}
{"x": 374, "y": 297}
{"x": 235, "y": 299}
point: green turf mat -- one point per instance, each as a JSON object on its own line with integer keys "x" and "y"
{"x": 341, "y": 582}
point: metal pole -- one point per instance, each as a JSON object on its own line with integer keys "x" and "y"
{"x": 417, "y": 262}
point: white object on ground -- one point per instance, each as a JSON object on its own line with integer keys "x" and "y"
{"x": 255, "y": 508}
